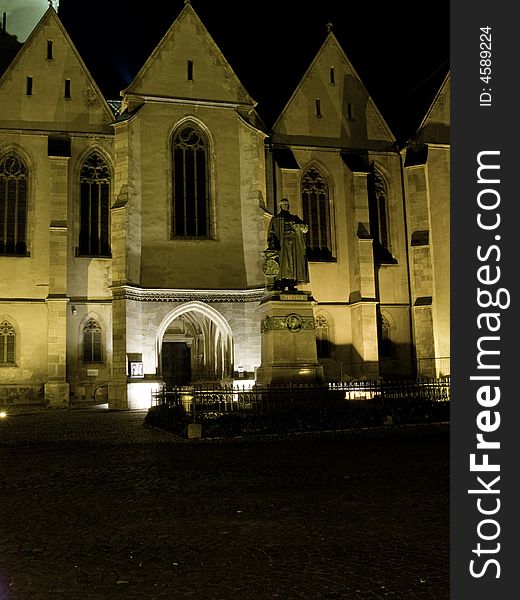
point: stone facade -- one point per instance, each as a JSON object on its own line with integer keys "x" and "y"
{"x": 116, "y": 269}
{"x": 427, "y": 185}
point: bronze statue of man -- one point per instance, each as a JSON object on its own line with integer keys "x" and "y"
{"x": 286, "y": 235}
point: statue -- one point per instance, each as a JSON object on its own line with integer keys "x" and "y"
{"x": 286, "y": 239}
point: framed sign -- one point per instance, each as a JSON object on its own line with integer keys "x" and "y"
{"x": 136, "y": 369}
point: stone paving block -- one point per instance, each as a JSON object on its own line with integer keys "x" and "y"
{"x": 92, "y": 498}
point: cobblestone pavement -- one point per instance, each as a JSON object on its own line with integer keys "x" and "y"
{"x": 94, "y": 506}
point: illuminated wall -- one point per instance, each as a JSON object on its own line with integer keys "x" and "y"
{"x": 381, "y": 282}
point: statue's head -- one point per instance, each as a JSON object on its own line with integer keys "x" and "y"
{"x": 284, "y": 204}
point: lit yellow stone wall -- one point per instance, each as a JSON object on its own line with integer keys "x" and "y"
{"x": 23, "y": 382}
{"x": 231, "y": 259}
{"x": 439, "y": 182}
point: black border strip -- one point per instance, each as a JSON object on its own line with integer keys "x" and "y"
{"x": 488, "y": 124}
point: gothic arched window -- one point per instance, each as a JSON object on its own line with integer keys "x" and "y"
{"x": 94, "y": 233}
{"x": 13, "y": 205}
{"x": 7, "y": 343}
{"x": 378, "y": 214}
{"x": 190, "y": 202}
{"x": 316, "y": 213}
{"x": 92, "y": 342}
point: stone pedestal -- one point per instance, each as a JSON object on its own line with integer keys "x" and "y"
{"x": 288, "y": 340}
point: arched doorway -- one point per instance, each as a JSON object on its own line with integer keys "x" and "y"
{"x": 195, "y": 346}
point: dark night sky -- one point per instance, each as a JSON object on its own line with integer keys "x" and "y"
{"x": 400, "y": 51}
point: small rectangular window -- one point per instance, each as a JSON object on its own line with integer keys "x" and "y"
{"x": 332, "y": 76}
{"x": 190, "y": 70}
{"x": 349, "y": 111}
{"x": 67, "y": 88}
{"x": 318, "y": 108}
{"x": 29, "y": 86}
{"x": 49, "y": 50}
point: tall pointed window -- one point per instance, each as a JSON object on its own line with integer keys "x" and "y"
{"x": 92, "y": 343}
{"x": 378, "y": 214}
{"x": 316, "y": 213}
{"x": 94, "y": 207}
{"x": 13, "y": 205}
{"x": 190, "y": 205}
{"x": 7, "y": 343}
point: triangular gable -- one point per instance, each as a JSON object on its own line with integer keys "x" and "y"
{"x": 331, "y": 86}
{"x": 47, "y": 106}
{"x": 435, "y": 125}
{"x": 165, "y": 73}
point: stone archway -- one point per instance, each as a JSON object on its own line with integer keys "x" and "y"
{"x": 195, "y": 346}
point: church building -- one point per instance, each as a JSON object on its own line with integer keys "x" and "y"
{"x": 132, "y": 233}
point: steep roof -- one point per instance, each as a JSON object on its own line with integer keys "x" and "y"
{"x": 396, "y": 51}
{"x": 331, "y": 106}
{"x": 186, "y": 64}
{"x": 435, "y": 127}
{"x": 32, "y": 89}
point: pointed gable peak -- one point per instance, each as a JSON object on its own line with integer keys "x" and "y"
{"x": 189, "y": 7}
{"x": 187, "y": 64}
{"x": 49, "y": 17}
{"x": 330, "y": 39}
{"x": 67, "y": 64}
{"x": 331, "y": 94}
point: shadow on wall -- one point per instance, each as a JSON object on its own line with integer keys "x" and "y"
{"x": 343, "y": 363}
{"x": 354, "y": 128}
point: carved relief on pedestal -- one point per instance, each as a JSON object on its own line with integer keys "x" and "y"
{"x": 292, "y": 322}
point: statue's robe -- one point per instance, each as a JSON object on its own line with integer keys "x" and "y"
{"x": 290, "y": 243}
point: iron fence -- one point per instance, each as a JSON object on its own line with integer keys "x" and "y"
{"x": 370, "y": 394}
